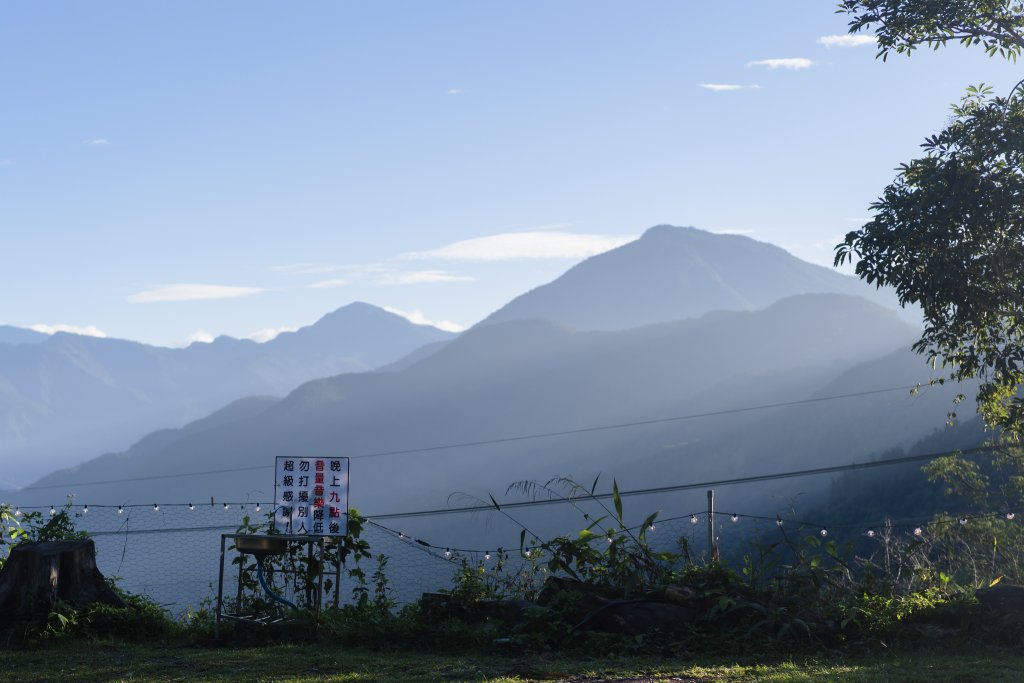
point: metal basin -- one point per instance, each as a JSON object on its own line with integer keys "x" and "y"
{"x": 261, "y": 545}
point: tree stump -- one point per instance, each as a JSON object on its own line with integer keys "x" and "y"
{"x": 38, "y": 575}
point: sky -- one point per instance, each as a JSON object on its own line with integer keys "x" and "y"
{"x": 174, "y": 171}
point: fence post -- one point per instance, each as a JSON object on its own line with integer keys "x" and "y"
{"x": 713, "y": 555}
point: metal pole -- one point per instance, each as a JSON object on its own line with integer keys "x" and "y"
{"x": 220, "y": 590}
{"x": 712, "y": 544}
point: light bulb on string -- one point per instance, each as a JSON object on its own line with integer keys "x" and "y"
{"x": 610, "y": 539}
{"x": 156, "y": 508}
{"x": 693, "y": 519}
{"x": 401, "y": 535}
{"x": 1010, "y": 515}
{"x": 487, "y": 555}
{"x": 918, "y": 531}
{"x": 52, "y": 511}
{"x": 963, "y": 521}
{"x": 120, "y": 509}
{"x": 778, "y": 521}
{"x": 191, "y": 506}
{"x": 735, "y": 518}
{"x": 871, "y": 533}
{"x": 17, "y": 512}
{"x": 651, "y": 528}
{"x": 85, "y": 509}
{"x": 257, "y": 507}
{"x": 823, "y": 532}
{"x": 447, "y": 553}
{"x": 226, "y": 506}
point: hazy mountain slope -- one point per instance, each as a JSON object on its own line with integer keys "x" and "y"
{"x": 72, "y": 396}
{"x": 18, "y": 335}
{"x": 525, "y": 378}
{"x": 672, "y": 273}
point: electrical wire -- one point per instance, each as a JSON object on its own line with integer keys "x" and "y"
{"x": 488, "y": 442}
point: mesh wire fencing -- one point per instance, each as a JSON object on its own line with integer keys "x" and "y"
{"x": 171, "y": 553}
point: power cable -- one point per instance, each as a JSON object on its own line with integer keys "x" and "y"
{"x": 487, "y": 442}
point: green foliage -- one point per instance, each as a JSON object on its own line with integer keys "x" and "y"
{"x": 607, "y": 552}
{"x": 11, "y": 531}
{"x": 59, "y": 526}
{"x": 948, "y": 234}
{"x": 297, "y": 572}
{"x": 903, "y": 25}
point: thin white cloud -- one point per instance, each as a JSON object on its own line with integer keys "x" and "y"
{"x": 455, "y": 91}
{"x": 84, "y": 330}
{"x": 269, "y": 333}
{"x": 727, "y": 87}
{"x": 5, "y": 162}
{"x": 304, "y": 268}
{"x": 846, "y": 40}
{"x": 734, "y": 232}
{"x": 98, "y": 141}
{"x": 200, "y": 337}
{"x": 191, "y": 292}
{"x": 327, "y": 284}
{"x": 793, "y": 63}
{"x": 420, "y": 277}
{"x": 511, "y": 246}
{"x": 417, "y": 318}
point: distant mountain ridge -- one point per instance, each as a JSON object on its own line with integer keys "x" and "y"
{"x": 672, "y": 273}
{"x": 534, "y": 377}
{"x": 68, "y": 396}
{"x": 19, "y": 335}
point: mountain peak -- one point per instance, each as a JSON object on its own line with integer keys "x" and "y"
{"x": 672, "y": 273}
{"x": 666, "y": 230}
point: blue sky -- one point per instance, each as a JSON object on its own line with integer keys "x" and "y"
{"x": 174, "y": 170}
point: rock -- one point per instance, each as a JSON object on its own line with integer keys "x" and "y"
{"x": 1003, "y": 601}
{"x": 637, "y": 617}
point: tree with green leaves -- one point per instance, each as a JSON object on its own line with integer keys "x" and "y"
{"x": 948, "y": 232}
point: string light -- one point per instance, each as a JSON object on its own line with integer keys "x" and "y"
{"x": 918, "y": 531}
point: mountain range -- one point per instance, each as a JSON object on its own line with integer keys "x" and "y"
{"x": 799, "y": 372}
{"x": 67, "y": 397}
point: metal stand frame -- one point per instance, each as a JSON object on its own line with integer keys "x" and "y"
{"x": 257, "y": 539}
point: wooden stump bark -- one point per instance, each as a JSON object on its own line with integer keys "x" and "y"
{"x": 38, "y": 575}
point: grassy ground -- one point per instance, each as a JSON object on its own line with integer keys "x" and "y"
{"x": 290, "y": 663}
